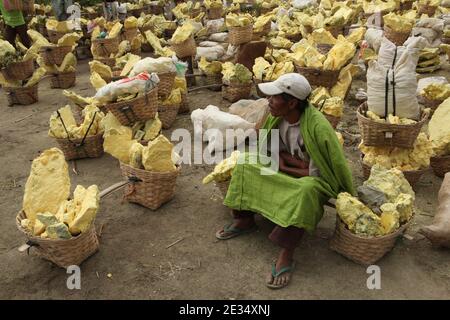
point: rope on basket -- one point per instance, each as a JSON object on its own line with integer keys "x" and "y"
{"x": 77, "y": 145}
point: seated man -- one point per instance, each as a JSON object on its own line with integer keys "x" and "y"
{"x": 313, "y": 170}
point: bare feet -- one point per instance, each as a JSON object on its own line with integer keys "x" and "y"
{"x": 281, "y": 272}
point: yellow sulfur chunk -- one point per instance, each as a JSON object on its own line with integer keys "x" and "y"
{"x": 357, "y": 36}
{"x": 117, "y": 142}
{"x": 36, "y": 77}
{"x": 60, "y": 26}
{"x": 110, "y": 122}
{"x": 102, "y": 69}
{"x": 321, "y": 36}
{"x": 129, "y": 65}
{"x": 390, "y": 218}
{"x": 66, "y": 212}
{"x": 56, "y": 127}
{"x": 124, "y": 47}
{"x": 436, "y": 91}
{"x": 260, "y": 67}
{"x": 130, "y": 23}
{"x": 46, "y": 219}
{"x": 210, "y": 68}
{"x": 280, "y": 42}
{"x": 27, "y": 225}
{"x": 340, "y": 138}
{"x": 399, "y": 23}
{"x": 152, "y": 128}
{"x": 180, "y": 83}
{"x": 223, "y": 170}
{"x": 136, "y": 155}
{"x": 439, "y": 130}
{"x": 261, "y": 22}
{"x": 318, "y": 95}
{"x": 48, "y": 184}
{"x": 182, "y": 33}
{"x": 96, "y": 32}
{"x": 405, "y": 206}
{"x": 332, "y": 106}
{"x": 96, "y": 81}
{"x": 69, "y": 63}
{"x": 173, "y": 99}
{"x": 357, "y": 216}
{"x": 58, "y": 231}
{"x": 278, "y": 69}
{"x": 157, "y": 156}
{"x": 339, "y": 55}
{"x": 69, "y": 39}
{"x": 84, "y": 217}
{"x": 39, "y": 228}
{"x": 235, "y": 73}
{"x": 77, "y": 99}
{"x": 306, "y": 55}
{"x": 36, "y": 36}
{"x": 234, "y": 20}
{"x": 115, "y": 30}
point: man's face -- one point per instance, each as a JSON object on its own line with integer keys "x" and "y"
{"x": 278, "y": 106}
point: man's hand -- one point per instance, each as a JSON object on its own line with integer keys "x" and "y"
{"x": 292, "y": 171}
{"x": 293, "y": 161}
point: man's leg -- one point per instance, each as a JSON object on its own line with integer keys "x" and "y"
{"x": 10, "y": 35}
{"x": 24, "y": 37}
{"x": 242, "y": 221}
{"x": 288, "y": 239}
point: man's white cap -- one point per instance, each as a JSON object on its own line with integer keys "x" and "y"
{"x": 291, "y": 83}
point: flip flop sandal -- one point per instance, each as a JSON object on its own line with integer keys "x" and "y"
{"x": 276, "y": 274}
{"x": 229, "y": 232}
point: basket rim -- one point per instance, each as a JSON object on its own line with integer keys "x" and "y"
{"x": 147, "y": 172}
{"x": 46, "y": 240}
{"x": 394, "y": 234}
{"x": 79, "y": 139}
{"x": 423, "y": 117}
{"x": 132, "y": 101}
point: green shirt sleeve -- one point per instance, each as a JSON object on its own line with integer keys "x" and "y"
{"x": 12, "y": 18}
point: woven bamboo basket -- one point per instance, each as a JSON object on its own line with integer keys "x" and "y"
{"x": 63, "y": 80}
{"x": 407, "y": 5}
{"x": 166, "y": 82}
{"x": 265, "y": 31}
{"x": 296, "y": 37}
{"x": 106, "y": 46}
{"x": 156, "y": 9}
{"x": 412, "y": 176}
{"x": 53, "y": 54}
{"x": 397, "y": 38}
{"x": 214, "y": 13}
{"x": 430, "y": 103}
{"x": 108, "y": 61}
{"x": 54, "y": 36}
{"x": 334, "y": 121}
{"x": 63, "y": 252}
{"x": 440, "y": 165}
{"x": 149, "y": 189}
{"x": 17, "y": 71}
{"x": 184, "y": 105}
{"x": 139, "y": 109}
{"x": 168, "y": 115}
{"x": 363, "y": 250}
{"x": 426, "y": 9}
{"x": 129, "y": 34}
{"x": 240, "y": 35}
{"x": 136, "y": 12}
{"x": 116, "y": 75}
{"x": 214, "y": 80}
{"x": 385, "y": 134}
{"x": 324, "y": 48}
{"x": 317, "y": 77}
{"x": 335, "y": 31}
{"x": 187, "y": 48}
{"x": 23, "y": 95}
{"x": 236, "y": 91}
{"x": 91, "y": 147}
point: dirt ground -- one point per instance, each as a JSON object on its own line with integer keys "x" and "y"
{"x": 134, "y": 240}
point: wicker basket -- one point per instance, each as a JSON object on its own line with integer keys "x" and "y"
{"x": 440, "y": 165}
{"x": 166, "y": 82}
{"x": 426, "y": 9}
{"x": 136, "y": 12}
{"x": 214, "y": 13}
{"x": 54, "y": 36}
{"x": 412, "y": 176}
{"x": 296, "y": 37}
{"x": 187, "y": 48}
{"x": 156, "y": 9}
{"x": 106, "y": 46}
{"x": 54, "y": 55}
{"x": 317, "y": 77}
{"x": 63, "y": 252}
{"x": 167, "y": 115}
{"x": 184, "y": 105}
{"x": 91, "y": 147}
{"x": 139, "y": 109}
{"x": 215, "y": 80}
{"x": 334, "y": 121}
{"x": 129, "y": 34}
{"x": 23, "y": 96}
{"x": 335, "y": 31}
{"x": 63, "y": 80}
{"x": 397, "y": 38}
{"x": 149, "y": 189}
{"x": 235, "y": 92}
{"x": 111, "y": 62}
{"x": 17, "y": 71}
{"x": 385, "y": 134}
{"x": 363, "y": 250}
{"x": 265, "y": 31}
{"x": 407, "y": 5}
{"x": 240, "y": 35}
{"x": 430, "y": 103}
